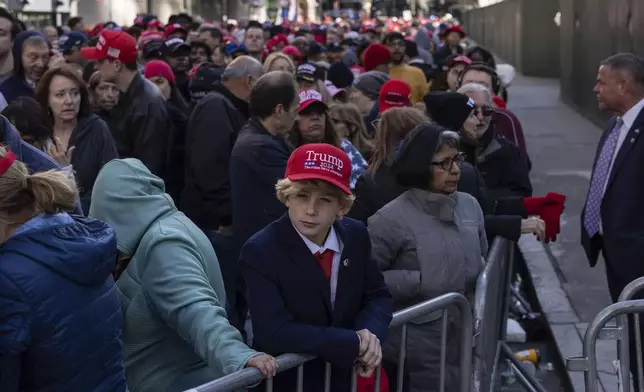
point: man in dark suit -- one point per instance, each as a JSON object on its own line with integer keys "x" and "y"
{"x": 313, "y": 287}
{"x": 613, "y": 217}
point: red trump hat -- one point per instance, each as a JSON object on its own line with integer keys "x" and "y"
{"x": 320, "y": 161}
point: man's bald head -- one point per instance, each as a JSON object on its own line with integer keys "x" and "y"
{"x": 271, "y": 90}
{"x": 242, "y": 67}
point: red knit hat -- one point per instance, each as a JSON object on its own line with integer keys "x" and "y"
{"x": 160, "y": 68}
{"x": 320, "y": 161}
{"x": 394, "y": 94}
{"x": 374, "y": 55}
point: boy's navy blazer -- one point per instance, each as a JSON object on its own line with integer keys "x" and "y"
{"x": 290, "y": 301}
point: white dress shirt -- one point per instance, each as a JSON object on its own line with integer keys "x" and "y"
{"x": 628, "y": 119}
{"x": 333, "y": 243}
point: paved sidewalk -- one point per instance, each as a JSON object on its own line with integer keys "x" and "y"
{"x": 562, "y": 146}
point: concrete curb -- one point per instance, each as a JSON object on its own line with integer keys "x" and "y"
{"x": 562, "y": 318}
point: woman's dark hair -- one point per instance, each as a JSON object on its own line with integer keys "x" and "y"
{"x": 330, "y": 135}
{"x": 486, "y": 56}
{"x": 42, "y": 92}
{"x": 27, "y": 115}
{"x": 412, "y": 167}
{"x": 272, "y": 89}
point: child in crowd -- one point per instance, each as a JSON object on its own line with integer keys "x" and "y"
{"x": 313, "y": 286}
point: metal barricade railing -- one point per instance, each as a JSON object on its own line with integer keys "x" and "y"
{"x": 620, "y": 333}
{"x": 247, "y": 377}
{"x": 491, "y": 302}
{"x": 597, "y": 329}
{"x": 623, "y": 352}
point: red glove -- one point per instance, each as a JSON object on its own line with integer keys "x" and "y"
{"x": 533, "y": 205}
{"x": 366, "y": 384}
{"x": 551, "y": 214}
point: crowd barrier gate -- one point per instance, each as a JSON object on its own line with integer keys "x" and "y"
{"x": 249, "y": 376}
{"x": 491, "y": 303}
{"x": 597, "y": 329}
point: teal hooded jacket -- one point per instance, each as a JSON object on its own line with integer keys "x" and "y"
{"x": 172, "y": 293}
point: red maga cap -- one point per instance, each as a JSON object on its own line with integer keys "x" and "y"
{"x": 320, "y": 161}
{"x": 310, "y": 97}
{"x": 112, "y": 44}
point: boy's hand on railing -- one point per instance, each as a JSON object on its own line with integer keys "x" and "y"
{"x": 266, "y": 364}
{"x": 370, "y": 351}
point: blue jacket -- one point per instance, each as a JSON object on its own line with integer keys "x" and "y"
{"x": 290, "y": 305}
{"x": 60, "y": 319}
{"x": 36, "y": 160}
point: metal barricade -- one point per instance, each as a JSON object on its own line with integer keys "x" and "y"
{"x": 249, "y": 376}
{"x": 623, "y": 352}
{"x": 620, "y": 333}
{"x": 597, "y": 329}
{"x": 491, "y": 303}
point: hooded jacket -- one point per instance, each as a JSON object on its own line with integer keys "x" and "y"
{"x": 16, "y": 86}
{"x": 60, "y": 319}
{"x": 172, "y": 293}
{"x": 94, "y": 147}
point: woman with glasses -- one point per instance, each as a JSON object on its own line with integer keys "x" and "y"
{"x": 503, "y": 165}
{"x": 429, "y": 241}
{"x": 505, "y": 217}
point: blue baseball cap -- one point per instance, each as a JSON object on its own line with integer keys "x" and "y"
{"x": 234, "y": 47}
{"x": 71, "y": 40}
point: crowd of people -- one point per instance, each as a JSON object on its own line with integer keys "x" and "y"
{"x": 181, "y": 201}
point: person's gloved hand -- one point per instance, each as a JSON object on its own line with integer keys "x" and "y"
{"x": 551, "y": 214}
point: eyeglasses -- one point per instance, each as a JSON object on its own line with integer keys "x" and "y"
{"x": 448, "y": 163}
{"x": 486, "y": 111}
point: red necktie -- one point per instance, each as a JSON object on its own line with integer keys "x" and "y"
{"x": 326, "y": 261}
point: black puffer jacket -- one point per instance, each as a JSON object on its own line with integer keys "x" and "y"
{"x": 210, "y": 137}
{"x": 141, "y": 126}
{"x": 94, "y": 147}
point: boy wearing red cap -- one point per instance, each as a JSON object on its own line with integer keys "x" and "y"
{"x": 313, "y": 287}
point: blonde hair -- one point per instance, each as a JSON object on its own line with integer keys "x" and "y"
{"x": 349, "y": 114}
{"x": 393, "y": 126}
{"x": 268, "y": 63}
{"x": 286, "y": 188}
{"x": 24, "y": 195}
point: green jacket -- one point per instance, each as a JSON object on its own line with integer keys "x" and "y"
{"x": 172, "y": 293}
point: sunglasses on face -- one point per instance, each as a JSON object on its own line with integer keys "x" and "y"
{"x": 486, "y": 111}
{"x": 447, "y": 164}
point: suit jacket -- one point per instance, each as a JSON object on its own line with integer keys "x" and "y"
{"x": 290, "y": 301}
{"x": 621, "y": 208}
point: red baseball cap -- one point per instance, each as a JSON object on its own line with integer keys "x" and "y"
{"x": 394, "y": 94}
{"x": 460, "y": 60}
{"x": 173, "y": 28}
{"x": 310, "y": 97}
{"x": 112, "y": 44}
{"x": 320, "y": 161}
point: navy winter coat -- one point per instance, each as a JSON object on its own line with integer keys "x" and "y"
{"x": 60, "y": 318}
